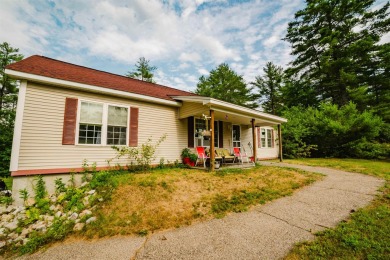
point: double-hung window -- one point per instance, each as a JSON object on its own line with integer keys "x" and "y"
{"x": 91, "y": 122}
{"x": 117, "y": 125}
{"x": 266, "y": 137}
{"x": 102, "y": 124}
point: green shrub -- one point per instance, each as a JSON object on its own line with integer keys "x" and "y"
{"x": 330, "y": 131}
{"x": 40, "y": 188}
{"x": 142, "y": 155}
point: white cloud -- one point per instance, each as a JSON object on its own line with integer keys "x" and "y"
{"x": 185, "y": 42}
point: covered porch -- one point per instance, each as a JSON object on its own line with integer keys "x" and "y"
{"x": 213, "y": 123}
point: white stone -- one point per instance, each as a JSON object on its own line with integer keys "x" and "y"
{"x": 100, "y": 199}
{"x": 73, "y": 216}
{"x": 83, "y": 184}
{"x": 12, "y": 225}
{"x": 2, "y": 231}
{"x": 85, "y": 213}
{"x": 13, "y": 235}
{"x": 91, "y": 192}
{"x": 2, "y": 209}
{"x": 7, "y": 217}
{"x": 49, "y": 218}
{"x": 39, "y": 226}
{"x": 30, "y": 202}
{"x": 58, "y": 214}
{"x": 78, "y": 226}
{"x": 2, "y": 244}
{"x": 25, "y": 232}
{"x": 21, "y": 216}
{"x": 91, "y": 219}
{"x": 52, "y": 207}
{"x": 25, "y": 241}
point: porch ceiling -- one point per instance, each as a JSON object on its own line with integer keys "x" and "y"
{"x": 224, "y": 111}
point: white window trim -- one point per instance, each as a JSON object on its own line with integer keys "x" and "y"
{"x": 273, "y": 145}
{"x": 240, "y": 136}
{"x": 195, "y": 142}
{"x": 104, "y": 123}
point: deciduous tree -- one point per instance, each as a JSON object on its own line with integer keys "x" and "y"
{"x": 225, "y": 84}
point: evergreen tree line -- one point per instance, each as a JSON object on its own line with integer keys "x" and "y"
{"x": 336, "y": 91}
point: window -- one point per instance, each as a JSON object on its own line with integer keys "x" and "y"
{"x": 102, "y": 124}
{"x": 204, "y": 140}
{"x": 236, "y": 131}
{"x": 266, "y": 137}
{"x": 90, "y": 129}
{"x": 117, "y": 125}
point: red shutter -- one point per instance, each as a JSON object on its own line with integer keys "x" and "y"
{"x": 191, "y": 133}
{"x": 220, "y": 134}
{"x": 133, "y": 140}
{"x": 70, "y": 118}
{"x": 258, "y": 137}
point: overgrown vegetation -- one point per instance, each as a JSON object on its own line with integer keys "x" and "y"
{"x": 366, "y": 234}
{"x": 169, "y": 198}
{"x": 140, "y": 157}
{"x": 329, "y": 131}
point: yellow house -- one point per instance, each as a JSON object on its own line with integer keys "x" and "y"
{"x": 67, "y": 113}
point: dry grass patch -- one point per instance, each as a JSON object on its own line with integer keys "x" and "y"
{"x": 170, "y": 198}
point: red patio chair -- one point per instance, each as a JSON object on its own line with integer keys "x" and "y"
{"x": 240, "y": 155}
{"x": 201, "y": 155}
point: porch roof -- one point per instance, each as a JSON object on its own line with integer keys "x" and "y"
{"x": 226, "y": 111}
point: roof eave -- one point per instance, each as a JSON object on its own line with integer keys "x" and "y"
{"x": 212, "y": 102}
{"x": 86, "y": 87}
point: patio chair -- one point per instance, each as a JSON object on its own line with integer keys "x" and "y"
{"x": 226, "y": 156}
{"x": 201, "y": 155}
{"x": 240, "y": 155}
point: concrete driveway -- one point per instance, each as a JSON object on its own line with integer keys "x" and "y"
{"x": 266, "y": 232}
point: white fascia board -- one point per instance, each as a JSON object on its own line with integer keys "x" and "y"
{"x": 211, "y": 102}
{"x": 91, "y": 88}
{"x": 14, "y": 164}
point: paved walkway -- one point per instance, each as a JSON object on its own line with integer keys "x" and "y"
{"x": 266, "y": 232}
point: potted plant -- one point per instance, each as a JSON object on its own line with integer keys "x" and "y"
{"x": 188, "y": 157}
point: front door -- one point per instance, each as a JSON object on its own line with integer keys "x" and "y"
{"x": 236, "y": 132}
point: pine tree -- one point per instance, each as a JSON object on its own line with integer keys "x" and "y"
{"x": 334, "y": 42}
{"x": 225, "y": 84}
{"x": 143, "y": 71}
{"x": 270, "y": 85}
{"x": 8, "y": 90}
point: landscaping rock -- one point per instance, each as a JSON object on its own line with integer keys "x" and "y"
{"x": 58, "y": 214}
{"x": 90, "y": 220}
{"x": 78, "y": 226}
{"x": 2, "y": 244}
{"x": 83, "y": 184}
{"x": 91, "y": 192}
{"x": 86, "y": 201}
{"x": 30, "y": 202}
{"x": 52, "y": 207}
{"x": 2, "y": 231}
{"x": 7, "y": 217}
{"x": 85, "y": 213}
{"x": 11, "y": 225}
{"x": 73, "y": 216}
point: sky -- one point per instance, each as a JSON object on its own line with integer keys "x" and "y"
{"x": 184, "y": 39}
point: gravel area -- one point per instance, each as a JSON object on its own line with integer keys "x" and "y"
{"x": 266, "y": 232}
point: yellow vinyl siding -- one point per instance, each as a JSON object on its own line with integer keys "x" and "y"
{"x": 192, "y": 109}
{"x": 41, "y": 141}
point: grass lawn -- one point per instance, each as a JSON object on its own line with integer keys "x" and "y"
{"x": 170, "y": 198}
{"x": 366, "y": 235}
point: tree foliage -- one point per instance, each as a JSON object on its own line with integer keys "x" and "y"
{"x": 225, "y": 84}
{"x": 330, "y": 131}
{"x": 8, "y": 86}
{"x": 336, "y": 45}
{"x": 270, "y": 87}
{"x": 8, "y": 98}
{"x": 143, "y": 71}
